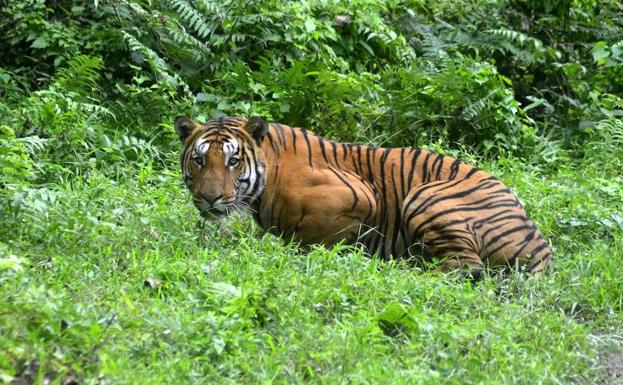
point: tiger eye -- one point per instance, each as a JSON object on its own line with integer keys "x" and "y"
{"x": 233, "y": 162}
{"x": 198, "y": 159}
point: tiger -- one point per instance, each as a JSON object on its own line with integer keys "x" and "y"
{"x": 406, "y": 203}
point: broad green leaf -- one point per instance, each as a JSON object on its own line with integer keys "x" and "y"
{"x": 40, "y": 42}
{"x": 310, "y": 25}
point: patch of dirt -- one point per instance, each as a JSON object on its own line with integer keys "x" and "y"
{"x": 614, "y": 366}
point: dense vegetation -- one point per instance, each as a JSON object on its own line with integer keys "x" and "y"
{"x": 107, "y": 276}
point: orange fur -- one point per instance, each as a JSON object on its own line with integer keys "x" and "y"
{"x": 403, "y": 202}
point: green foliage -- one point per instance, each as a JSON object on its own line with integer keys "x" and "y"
{"x": 16, "y": 167}
{"x": 228, "y": 304}
{"x": 106, "y": 277}
{"x": 460, "y": 101}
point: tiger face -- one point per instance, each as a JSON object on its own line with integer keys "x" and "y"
{"x": 222, "y": 162}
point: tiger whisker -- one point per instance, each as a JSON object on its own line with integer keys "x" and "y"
{"x": 244, "y": 206}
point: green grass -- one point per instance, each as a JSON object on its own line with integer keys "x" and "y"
{"x": 233, "y": 305}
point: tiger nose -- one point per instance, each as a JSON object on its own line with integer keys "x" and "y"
{"x": 211, "y": 200}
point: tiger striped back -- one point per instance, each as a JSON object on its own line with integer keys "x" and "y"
{"x": 405, "y": 202}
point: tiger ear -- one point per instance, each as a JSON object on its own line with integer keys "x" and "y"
{"x": 257, "y": 127}
{"x": 184, "y": 126}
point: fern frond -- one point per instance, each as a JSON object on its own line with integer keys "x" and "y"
{"x": 33, "y": 143}
{"x": 475, "y": 109}
{"x": 82, "y": 74}
{"x": 196, "y": 48}
{"x": 528, "y": 49}
{"x": 137, "y": 9}
{"x": 208, "y": 7}
{"x": 611, "y": 130}
{"x": 192, "y": 17}
{"x": 155, "y": 62}
{"x": 516, "y": 37}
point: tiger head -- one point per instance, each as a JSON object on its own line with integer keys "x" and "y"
{"x": 222, "y": 162}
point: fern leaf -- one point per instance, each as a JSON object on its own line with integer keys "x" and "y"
{"x": 193, "y": 17}
{"x": 82, "y": 74}
{"x": 156, "y": 63}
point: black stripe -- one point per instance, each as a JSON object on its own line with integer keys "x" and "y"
{"x": 538, "y": 249}
{"x": 493, "y": 218}
{"x": 341, "y": 178}
{"x": 271, "y": 206}
{"x": 439, "y": 167}
{"x": 465, "y": 242}
{"x": 434, "y": 199}
{"x": 321, "y": 144}
{"x": 445, "y": 225}
{"x": 535, "y": 262}
{"x": 397, "y": 218}
{"x": 412, "y": 170}
{"x": 382, "y": 168}
{"x": 471, "y": 172}
{"x": 454, "y": 169}
{"x": 402, "y": 175}
{"x": 370, "y": 174}
{"x": 453, "y": 210}
{"x": 369, "y": 203}
{"x": 259, "y": 177}
{"x": 334, "y": 147}
{"x": 494, "y": 228}
{"x": 451, "y": 251}
{"x": 506, "y": 233}
{"x": 384, "y": 213}
{"x": 358, "y": 165}
{"x": 272, "y": 143}
{"x": 293, "y": 138}
{"x": 430, "y": 185}
{"x": 282, "y": 137}
{"x": 425, "y": 169}
{"x": 504, "y": 192}
{"x": 523, "y": 244}
{"x": 489, "y": 197}
{"x": 376, "y": 241}
{"x": 497, "y": 249}
{"x": 309, "y": 150}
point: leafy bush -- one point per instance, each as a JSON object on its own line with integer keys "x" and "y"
{"x": 16, "y": 167}
{"x": 460, "y": 101}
